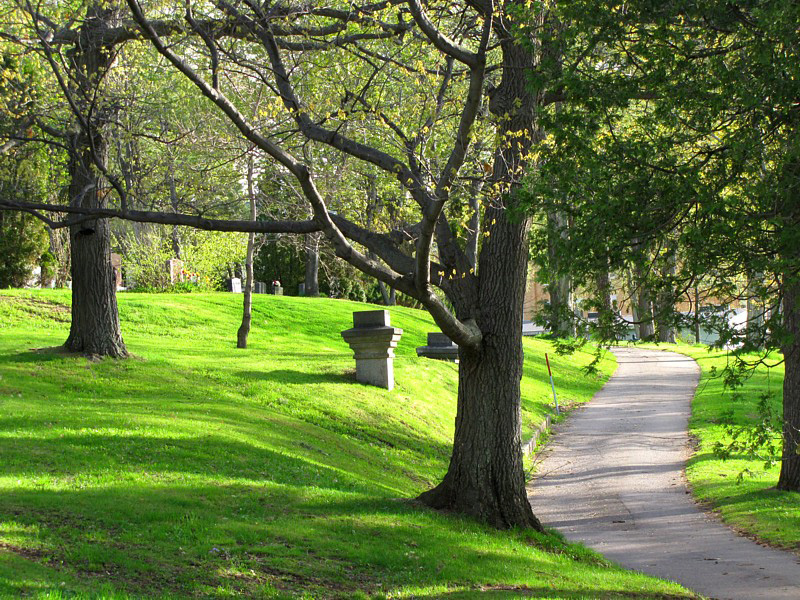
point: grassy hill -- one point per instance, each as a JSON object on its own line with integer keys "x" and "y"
{"x": 198, "y": 470}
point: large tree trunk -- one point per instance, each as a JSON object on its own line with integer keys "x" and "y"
{"x": 789, "y": 478}
{"x": 485, "y": 478}
{"x": 95, "y": 321}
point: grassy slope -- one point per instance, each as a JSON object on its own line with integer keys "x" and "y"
{"x": 752, "y": 505}
{"x": 200, "y": 470}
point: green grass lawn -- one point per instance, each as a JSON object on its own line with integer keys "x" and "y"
{"x": 198, "y": 470}
{"x": 752, "y": 505}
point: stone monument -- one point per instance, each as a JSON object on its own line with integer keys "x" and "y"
{"x": 175, "y": 270}
{"x": 373, "y": 341}
{"x": 235, "y": 285}
{"x": 440, "y": 347}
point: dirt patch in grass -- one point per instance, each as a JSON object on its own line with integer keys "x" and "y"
{"x": 29, "y": 553}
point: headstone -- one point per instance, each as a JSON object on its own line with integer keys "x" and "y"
{"x": 277, "y": 290}
{"x": 235, "y": 285}
{"x": 373, "y": 341}
{"x": 439, "y": 347}
{"x": 260, "y": 287}
{"x": 116, "y": 264}
{"x": 35, "y": 278}
{"x": 301, "y": 289}
{"x": 175, "y": 270}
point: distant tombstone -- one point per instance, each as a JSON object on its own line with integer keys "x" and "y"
{"x": 175, "y": 270}
{"x": 373, "y": 341}
{"x": 439, "y": 347}
{"x": 277, "y": 290}
{"x": 35, "y": 278}
{"x": 235, "y": 285}
{"x": 301, "y": 289}
{"x": 260, "y": 287}
{"x": 116, "y": 264}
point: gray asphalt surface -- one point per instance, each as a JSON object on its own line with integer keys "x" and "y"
{"x": 612, "y": 478}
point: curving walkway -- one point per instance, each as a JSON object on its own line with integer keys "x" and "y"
{"x": 613, "y": 479}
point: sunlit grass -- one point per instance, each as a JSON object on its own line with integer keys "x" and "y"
{"x": 198, "y": 470}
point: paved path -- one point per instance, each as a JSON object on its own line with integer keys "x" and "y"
{"x": 613, "y": 480}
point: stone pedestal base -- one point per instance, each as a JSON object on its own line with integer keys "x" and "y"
{"x": 440, "y": 347}
{"x": 373, "y": 341}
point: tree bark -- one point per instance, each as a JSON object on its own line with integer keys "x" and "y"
{"x": 312, "y": 264}
{"x": 789, "y": 478}
{"x": 95, "y": 320}
{"x": 247, "y": 307}
{"x": 474, "y": 224}
{"x": 559, "y": 287}
{"x": 754, "y": 327}
{"x": 642, "y": 304}
{"x": 388, "y": 294}
{"x": 665, "y": 310}
{"x": 485, "y": 478}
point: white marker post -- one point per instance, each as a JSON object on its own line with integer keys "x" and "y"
{"x": 552, "y": 385}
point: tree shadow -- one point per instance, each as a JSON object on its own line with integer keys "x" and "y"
{"x": 170, "y": 539}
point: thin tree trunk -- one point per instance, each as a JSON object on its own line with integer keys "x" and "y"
{"x": 754, "y": 328}
{"x": 641, "y": 297}
{"x": 665, "y": 309}
{"x": 474, "y": 224}
{"x": 388, "y": 294}
{"x": 789, "y": 478}
{"x": 559, "y": 287}
{"x": 173, "y": 197}
{"x": 312, "y": 264}
{"x": 696, "y": 314}
{"x": 247, "y": 308}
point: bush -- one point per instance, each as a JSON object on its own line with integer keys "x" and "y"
{"x": 23, "y": 241}
{"x": 210, "y": 257}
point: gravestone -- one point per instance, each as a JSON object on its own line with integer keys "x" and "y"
{"x": 439, "y": 347}
{"x": 373, "y": 341}
{"x": 175, "y": 270}
{"x": 301, "y": 289}
{"x": 277, "y": 290}
{"x": 260, "y": 287}
{"x": 235, "y": 285}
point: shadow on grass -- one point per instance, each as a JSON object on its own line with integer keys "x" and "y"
{"x": 95, "y": 455}
{"x": 154, "y": 540}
